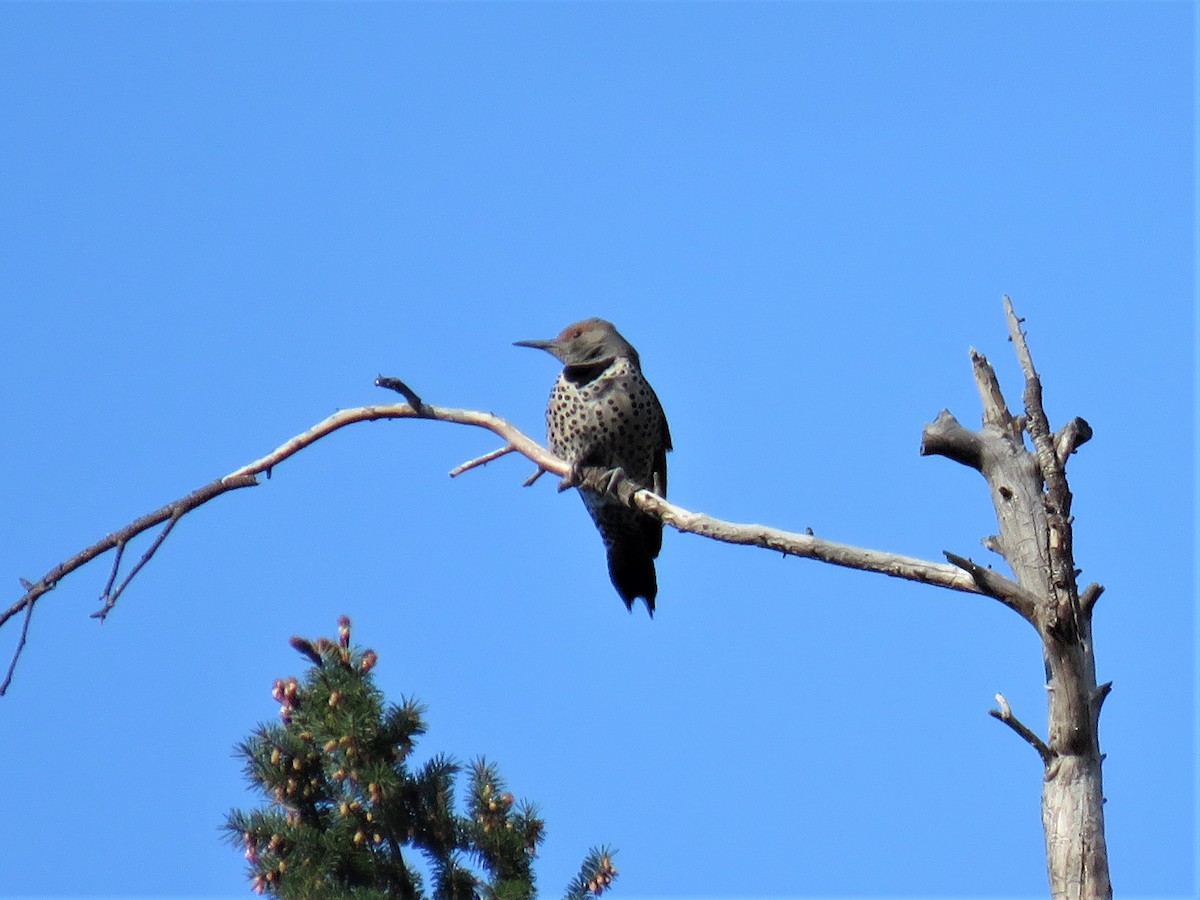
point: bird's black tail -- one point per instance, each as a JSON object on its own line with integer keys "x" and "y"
{"x": 632, "y": 540}
{"x": 631, "y": 569}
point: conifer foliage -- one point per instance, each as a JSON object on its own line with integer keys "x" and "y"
{"x": 349, "y": 815}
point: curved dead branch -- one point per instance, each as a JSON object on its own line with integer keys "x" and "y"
{"x": 787, "y": 542}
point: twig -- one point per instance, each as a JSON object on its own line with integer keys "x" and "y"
{"x": 112, "y": 575}
{"x": 1005, "y": 715}
{"x": 12, "y": 666}
{"x": 1087, "y": 599}
{"x": 995, "y": 408}
{"x": 196, "y": 498}
{"x": 994, "y": 584}
{"x": 480, "y": 461}
{"x": 537, "y": 473}
{"x": 1037, "y": 424}
{"x": 117, "y": 539}
{"x": 946, "y": 436}
{"x": 395, "y": 384}
{"x": 111, "y": 599}
{"x": 1071, "y": 437}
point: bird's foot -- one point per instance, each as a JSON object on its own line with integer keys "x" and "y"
{"x": 572, "y": 478}
{"x": 613, "y": 479}
{"x": 608, "y": 482}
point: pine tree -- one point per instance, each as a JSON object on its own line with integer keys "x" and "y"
{"x": 349, "y": 816}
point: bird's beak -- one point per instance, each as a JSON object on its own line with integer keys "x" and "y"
{"x": 548, "y": 346}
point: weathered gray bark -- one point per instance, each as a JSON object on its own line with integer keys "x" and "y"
{"x": 1033, "y": 508}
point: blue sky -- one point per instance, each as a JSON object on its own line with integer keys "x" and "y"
{"x": 220, "y": 222}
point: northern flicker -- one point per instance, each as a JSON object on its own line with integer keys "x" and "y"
{"x": 602, "y": 412}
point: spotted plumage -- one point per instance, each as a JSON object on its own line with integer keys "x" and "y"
{"x": 602, "y": 412}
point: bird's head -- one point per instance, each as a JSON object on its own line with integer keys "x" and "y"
{"x": 587, "y": 343}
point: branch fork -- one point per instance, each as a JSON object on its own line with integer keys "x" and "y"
{"x": 1005, "y": 715}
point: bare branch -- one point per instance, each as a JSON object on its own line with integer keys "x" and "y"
{"x": 1070, "y": 438}
{"x": 480, "y": 461}
{"x": 12, "y": 666}
{"x": 537, "y": 473}
{"x": 110, "y": 599}
{"x": 794, "y": 544}
{"x": 395, "y": 384}
{"x": 946, "y": 436}
{"x": 789, "y": 543}
{"x": 994, "y": 584}
{"x": 112, "y": 575}
{"x": 1088, "y": 598}
{"x": 519, "y": 442}
{"x": 1005, "y": 715}
{"x": 1036, "y": 421}
{"x": 243, "y": 477}
{"x": 172, "y": 511}
{"x": 995, "y": 408}
{"x": 186, "y": 504}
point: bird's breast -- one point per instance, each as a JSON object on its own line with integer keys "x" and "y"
{"x": 611, "y": 420}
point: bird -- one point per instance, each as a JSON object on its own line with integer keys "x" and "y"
{"x": 603, "y": 412}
